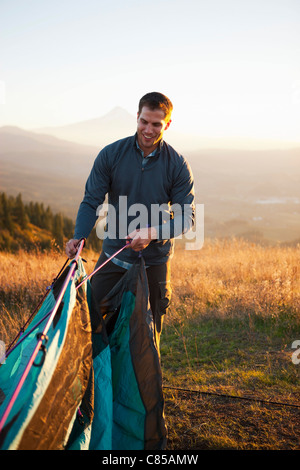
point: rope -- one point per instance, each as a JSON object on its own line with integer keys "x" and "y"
{"x": 222, "y": 395}
{"x": 103, "y": 264}
{"x": 10, "y": 348}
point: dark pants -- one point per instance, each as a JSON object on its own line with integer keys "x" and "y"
{"x": 159, "y": 281}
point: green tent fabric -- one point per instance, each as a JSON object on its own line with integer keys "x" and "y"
{"x": 100, "y": 385}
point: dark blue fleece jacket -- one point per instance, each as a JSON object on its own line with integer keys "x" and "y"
{"x": 165, "y": 182}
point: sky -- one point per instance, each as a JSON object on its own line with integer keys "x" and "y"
{"x": 230, "y": 67}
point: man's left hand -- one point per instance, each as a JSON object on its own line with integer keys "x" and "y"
{"x": 141, "y": 238}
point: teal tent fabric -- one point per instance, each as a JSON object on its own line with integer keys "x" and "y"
{"x": 42, "y": 415}
{"x": 100, "y": 387}
{"x": 134, "y": 418}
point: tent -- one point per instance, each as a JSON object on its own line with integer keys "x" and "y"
{"x": 96, "y": 382}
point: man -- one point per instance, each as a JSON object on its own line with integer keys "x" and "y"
{"x": 139, "y": 173}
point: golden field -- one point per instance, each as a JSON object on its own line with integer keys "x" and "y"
{"x": 234, "y": 316}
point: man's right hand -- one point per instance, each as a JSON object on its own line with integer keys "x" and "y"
{"x": 71, "y": 247}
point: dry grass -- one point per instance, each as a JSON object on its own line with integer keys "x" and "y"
{"x": 24, "y": 278}
{"x": 236, "y": 277}
{"x": 235, "y": 312}
{"x": 234, "y": 316}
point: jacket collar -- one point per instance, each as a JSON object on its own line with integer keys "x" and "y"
{"x": 157, "y": 150}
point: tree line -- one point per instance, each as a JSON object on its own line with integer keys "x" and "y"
{"x": 34, "y": 226}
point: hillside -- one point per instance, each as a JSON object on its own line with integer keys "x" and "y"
{"x": 251, "y": 194}
{"x": 44, "y": 168}
{"x": 34, "y": 227}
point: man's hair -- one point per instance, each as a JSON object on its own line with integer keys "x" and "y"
{"x": 155, "y": 100}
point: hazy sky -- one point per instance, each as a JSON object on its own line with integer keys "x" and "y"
{"x": 231, "y": 67}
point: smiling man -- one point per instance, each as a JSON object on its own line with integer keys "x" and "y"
{"x": 152, "y": 123}
{"x": 153, "y": 179}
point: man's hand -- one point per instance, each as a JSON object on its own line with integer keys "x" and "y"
{"x": 71, "y": 247}
{"x": 140, "y": 239}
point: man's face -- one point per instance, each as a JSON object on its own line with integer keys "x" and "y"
{"x": 151, "y": 125}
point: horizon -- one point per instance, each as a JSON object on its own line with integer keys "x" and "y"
{"x": 251, "y": 145}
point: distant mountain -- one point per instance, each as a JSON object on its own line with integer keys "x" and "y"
{"x": 44, "y": 168}
{"x": 115, "y": 125}
{"x": 40, "y": 151}
{"x": 98, "y": 132}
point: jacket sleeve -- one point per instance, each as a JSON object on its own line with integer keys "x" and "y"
{"x": 182, "y": 204}
{"x": 96, "y": 187}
